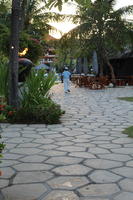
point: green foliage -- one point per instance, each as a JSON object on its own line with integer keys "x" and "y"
{"x": 2, "y": 118}
{"x": 33, "y": 45}
{"x": 101, "y": 28}
{"x": 2, "y": 146}
{"x": 55, "y": 3}
{"x": 126, "y": 98}
{"x": 35, "y": 103}
{"x": 6, "y": 112}
{"x": 129, "y": 131}
{"x": 48, "y": 112}
{"x": 3, "y": 77}
{"x": 4, "y": 39}
{"x": 36, "y": 87}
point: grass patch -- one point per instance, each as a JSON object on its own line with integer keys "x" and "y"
{"x": 129, "y": 131}
{"x": 126, "y": 98}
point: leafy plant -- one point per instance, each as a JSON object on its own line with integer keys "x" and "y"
{"x": 6, "y": 112}
{"x": 36, "y": 105}
{"x": 129, "y": 131}
{"x": 126, "y": 98}
{"x": 48, "y": 112}
{"x": 3, "y": 78}
{"x": 35, "y": 88}
{"x": 2, "y": 146}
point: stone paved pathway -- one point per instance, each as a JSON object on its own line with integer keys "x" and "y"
{"x": 84, "y": 158}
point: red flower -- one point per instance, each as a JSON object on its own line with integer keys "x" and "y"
{"x": 10, "y": 112}
{"x": 2, "y": 106}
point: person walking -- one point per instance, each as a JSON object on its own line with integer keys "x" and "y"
{"x": 66, "y": 79}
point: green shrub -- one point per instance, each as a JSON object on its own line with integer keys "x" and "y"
{"x": 48, "y": 113}
{"x": 3, "y": 77}
{"x": 6, "y": 112}
{"x": 129, "y": 131}
{"x": 36, "y": 88}
{"x": 35, "y": 49}
{"x": 2, "y": 146}
{"x": 2, "y": 118}
{"x": 36, "y": 105}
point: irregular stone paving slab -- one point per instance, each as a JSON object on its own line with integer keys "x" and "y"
{"x": 124, "y": 196}
{"x": 33, "y": 159}
{"x": 129, "y": 164}
{"x": 11, "y": 156}
{"x": 103, "y": 176}
{"x": 28, "y": 132}
{"x": 84, "y": 198}
{"x": 26, "y": 151}
{"x": 31, "y": 135}
{"x": 109, "y": 146}
{"x": 53, "y": 153}
{"x": 12, "y": 129}
{"x": 123, "y": 150}
{"x": 32, "y": 177}
{"x": 122, "y": 140}
{"x": 82, "y": 155}
{"x": 99, "y": 190}
{"x": 32, "y": 167}
{"x": 71, "y": 148}
{"x": 64, "y": 160}
{"x": 64, "y": 143}
{"x": 84, "y": 158}
{"x": 19, "y": 140}
{"x": 31, "y": 145}
{"x": 28, "y": 128}
{"x": 7, "y": 172}
{"x": 48, "y": 147}
{"x": 68, "y": 182}
{"x": 61, "y": 195}
{"x": 72, "y": 170}
{"x": 128, "y": 145}
{"x": 44, "y": 141}
{"x": 97, "y": 150}
{"x": 127, "y": 184}
{"x": 24, "y": 192}
{"x": 73, "y": 133}
{"x": 102, "y": 163}
{"x": 87, "y": 145}
{"x": 117, "y": 157}
{"x": 10, "y": 134}
{"x": 3, "y": 183}
{"x": 9, "y": 146}
{"x": 124, "y": 171}
{"x": 7, "y": 163}
{"x": 64, "y": 139}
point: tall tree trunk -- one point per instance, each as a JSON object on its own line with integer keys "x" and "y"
{"x": 111, "y": 71}
{"x": 14, "y": 48}
{"x": 79, "y": 65}
{"x": 101, "y": 69}
{"x": 23, "y": 4}
{"x": 95, "y": 65}
{"x": 85, "y": 66}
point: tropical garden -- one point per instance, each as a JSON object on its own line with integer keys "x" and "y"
{"x": 24, "y": 24}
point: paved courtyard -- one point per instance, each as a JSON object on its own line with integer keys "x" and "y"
{"x": 86, "y": 157}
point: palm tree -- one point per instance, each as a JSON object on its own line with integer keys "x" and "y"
{"x": 25, "y": 15}
{"x": 35, "y": 18}
{"x": 14, "y": 48}
{"x": 101, "y": 29}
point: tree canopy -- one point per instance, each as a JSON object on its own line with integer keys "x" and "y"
{"x": 101, "y": 28}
